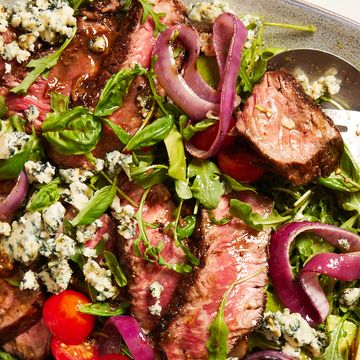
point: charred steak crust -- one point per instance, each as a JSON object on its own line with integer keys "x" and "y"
{"x": 227, "y": 253}
{"x": 289, "y": 130}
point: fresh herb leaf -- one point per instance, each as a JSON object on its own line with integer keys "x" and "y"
{"x": 46, "y": 196}
{"x": 74, "y": 132}
{"x": 59, "y": 102}
{"x": 104, "y": 309}
{"x": 3, "y": 107}
{"x": 183, "y": 190}
{"x": 6, "y": 356}
{"x": 121, "y": 134}
{"x": 115, "y": 268}
{"x": 208, "y": 69}
{"x": 146, "y": 175}
{"x": 11, "y": 167}
{"x": 188, "y": 227}
{"x": 352, "y": 202}
{"x": 148, "y": 11}
{"x": 206, "y": 187}
{"x": 216, "y": 221}
{"x": 237, "y": 186}
{"x": 115, "y": 90}
{"x": 175, "y": 149}
{"x": 245, "y": 212}
{"x": 96, "y": 206}
{"x": 152, "y": 134}
{"x": 191, "y": 130}
{"x": 18, "y": 123}
{"x": 41, "y": 65}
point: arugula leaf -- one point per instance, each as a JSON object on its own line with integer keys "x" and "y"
{"x": 148, "y": 11}
{"x": 176, "y": 152}
{"x": 191, "y": 130}
{"x": 122, "y": 135}
{"x": 41, "y": 65}
{"x": 352, "y": 203}
{"x": 208, "y": 69}
{"x": 206, "y": 187}
{"x": 104, "y": 309}
{"x": 46, "y": 196}
{"x": 96, "y": 206}
{"x": 183, "y": 190}
{"x": 18, "y": 123}
{"x": 332, "y": 352}
{"x": 245, "y": 212}
{"x": 59, "y": 103}
{"x": 74, "y": 132}
{"x": 237, "y": 186}
{"x": 152, "y": 134}
{"x": 3, "y": 107}
{"x": 186, "y": 230}
{"x": 216, "y": 221}
{"x": 115, "y": 90}
{"x": 115, "y": 268}
{"x": 146, "y": 175}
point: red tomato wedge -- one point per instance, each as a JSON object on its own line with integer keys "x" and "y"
{"x": 84, "y": 351}
{"x": 64, "y": 321}
{"x": 238, "y": 163}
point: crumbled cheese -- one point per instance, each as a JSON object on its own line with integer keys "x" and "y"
{"x": 100, "y": 279}
{"x": 98, "y": 44}
{"x": 11, "y": 143}
{"x": 125, "y": 216}
{"x": 32, "y": 113}
{"x": 77, "y": 195}
{"x": 13, "y": 51}
{"x": 99, "y": 165}
{"x": 89, "y": 252}
{"x": 29, "y": 281}
{"x": 327, "y": 84}
{"x": 53, "y": 217}
{"x": 62, "y": 246}
{"x": 156, "y": 289}
{"x": 25, "y": 240}
{"x": 7, "y": 68}
{"x": 74, "y": 175}
{"x": 58, "y": 275}
{"x": 155, "y": 309}
{"x": 293, "y": 332}
{"x": 115, "y": 161}
{"x": 344, "y": 243}
{"x": 85, "y": 233}
{"x": 350, "y": 297}
{"x": 39, "y": 172}
{"x": 5, "y": 228}
{"x": 3, "y": 19}
{"x": 208, "y": 11}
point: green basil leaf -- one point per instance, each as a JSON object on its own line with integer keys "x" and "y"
{"x": 206, "y": 187}
{"x": 115, "y": 268}
{"x": 96, "y": 206}
{"x": 18, "y": 123}
{"x": 41, "y": 65}
{"x": 152, "y": 134}
{"x": 104, "y": 309}
{"x": 191, "y": 130}
{"x": 176, "y": 152}
{"x": 352, "y": 202}
{"x": 115, "y": 90}
{"x": 147, "y": 176}
{"x": 74, "y": 132}
{"x": 11, "y": 167}
{"x": 122, "y": 135}
{"x": 245, "y": 212}
{"x": 46, "y": 196}
{"x": 59, "y": 102}
{"x": 183, "y": 190}
{"x": 3, "y": 107}
{"x": 219, "y": 332}
{"x": 6, "y": 356}
{"x": 186, "y": 230}
{"x": 237, "y": 186}
{"x": 208, "y": 69}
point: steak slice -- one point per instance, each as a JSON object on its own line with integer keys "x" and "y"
{"x": 228, "y": 253}
{"x": 33, "y": 344}
{"x": 158, "y": 210}
{"x": 19, "y": 310}
{"x": 290, "y": 131}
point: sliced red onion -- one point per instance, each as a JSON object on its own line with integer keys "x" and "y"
{"x": 11, "y": 203}
{"x": 268, "y": 355}
{"x": 130, "y": 331}
{"x": 173, "y": 83}
{"x": 306, "y": 296}
{"x": 229, "y": 37}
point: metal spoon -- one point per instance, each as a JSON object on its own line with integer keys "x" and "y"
{"x": 314, "y": 63}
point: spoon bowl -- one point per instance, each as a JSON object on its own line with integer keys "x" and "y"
{"x": 314, "y": 63}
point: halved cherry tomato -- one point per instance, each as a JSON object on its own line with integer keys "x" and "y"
{"x": 203, "y": 140}
{"x": 64, "y": 321}
{"x": 112, "y": 357}
{"x": 84, "y": 351}
{"x": 238, "y": 163}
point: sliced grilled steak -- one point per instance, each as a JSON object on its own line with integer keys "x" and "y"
{"x": 158, "y": 210}
{"x": 228, "y": 253}
{"x": 19, "y": 310}
{"x": 33, "y": 344}
{"x": 293, "y": 135}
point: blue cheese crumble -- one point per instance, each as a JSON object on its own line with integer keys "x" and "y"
{"x": 56, "y": 276}
{"x": 77, "y": 195}
{"x": 63, "y": 246}
{"x": 75, "y": 175}
{"x": 116, "y": 160}
{"x": 32, "y": 113}
{"x": 208, "y": 11}
{"x": 125, "y": 218}
{"x": 29, "y": 281}
{"x": 5, "y": 228}
{"x": 156, "y": 289}
{"x": 350, "y": 297}
{"x": 84, "y": 233}
{"x": 39, "y": 172}
{"x": 11, "y": 143}
{"x": 53, "y": 217}
{"x": 100, "y": 279}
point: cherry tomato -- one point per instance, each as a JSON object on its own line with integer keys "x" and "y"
{"x": 203, "y": 140}
{"x": 64, "y": 321}
{"x": 238, "y": 163}
{"x": 112, "y": 357}
{"x": 84, "y": 351}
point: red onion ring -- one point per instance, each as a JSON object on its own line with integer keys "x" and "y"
{"x": 306, "y": 296}
{"x": 11, "y": 203}
{"x": 268, "y": 355}
{"x": 229, "y": 37}
{"x": 130, "y": 331}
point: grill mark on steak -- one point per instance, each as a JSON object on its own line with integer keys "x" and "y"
{"x": 158, "y": 209}
{"x": 33, "y": 344}
{"x": 19, "y": 310}
{"x": 228, "y": 252}
{"x": 290, "y": 131}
